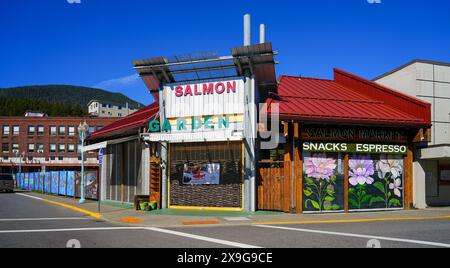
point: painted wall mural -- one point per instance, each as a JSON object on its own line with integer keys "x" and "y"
{"x": 91, "y": 186}
{"x": 48, "y": 182}
{"x": 62, "y": 183}
{"x": 375, "y": 182}
{"x": 71, "y": 183}
{"x": 323, "y": 182}
{"x": 55, "y": 182}
{"x": 41, "y": 181}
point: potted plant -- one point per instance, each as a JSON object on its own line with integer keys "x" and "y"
{"x": 153, "y": 205}
{"x": 143, "y": 205}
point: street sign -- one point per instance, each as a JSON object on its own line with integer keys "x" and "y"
{"x": 100, "y": 157}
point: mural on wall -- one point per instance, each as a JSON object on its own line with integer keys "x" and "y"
{"x": 48, "y": 182}
{"x": 41, "y": 177}
{"x": 36, "y": 181}
{"x": 323, "y": 182}
{"x": 25, "y": 181}
{"x": 91, "y": 184}
{"x": 55, "y": 182}
{"x": 19, "y": 180}
{"x": 375, "y": 182}
{"x": 71, "y": 183}
{"x": 62, "y": 183}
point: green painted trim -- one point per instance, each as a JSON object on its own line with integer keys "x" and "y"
{"x": 117, "y": 204}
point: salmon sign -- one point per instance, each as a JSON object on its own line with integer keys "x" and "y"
{"x": 218, "y": 88}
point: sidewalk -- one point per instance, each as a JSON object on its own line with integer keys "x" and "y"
{"x": 175, "y": 218}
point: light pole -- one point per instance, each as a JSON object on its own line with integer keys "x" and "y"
{"x": 82, "y": 129}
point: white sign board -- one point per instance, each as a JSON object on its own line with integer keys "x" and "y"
{"x": 204, "y": 99}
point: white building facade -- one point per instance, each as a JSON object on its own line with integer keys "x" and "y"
{"x": 428, "y": 81}
{"x": 99, "y": 109}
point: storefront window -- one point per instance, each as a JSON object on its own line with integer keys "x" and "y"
{"x": 206, "y": 175}
{"x": 375, "y": 182}
{"x": 323, "y": 182}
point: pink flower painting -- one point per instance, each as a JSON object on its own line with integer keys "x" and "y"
{"x": 320, "y": 167}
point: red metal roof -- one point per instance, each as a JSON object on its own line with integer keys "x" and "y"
{"x": 347, "y": 99}
{"x": 133, "y": 121}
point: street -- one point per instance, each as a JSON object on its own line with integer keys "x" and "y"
{"x": 28, "y": 222}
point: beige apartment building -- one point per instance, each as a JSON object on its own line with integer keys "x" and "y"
{"x": 98, "y": 109}
{"x": 428, "y": 81}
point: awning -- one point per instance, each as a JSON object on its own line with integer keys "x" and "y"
{"x": 210, "y": 136}
{"x": 435, "y": 153}
{"x": 104, "y": 144}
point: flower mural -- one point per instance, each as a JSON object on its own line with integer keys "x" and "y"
{"x": 396, "y": 187}
{"x": 361, "y": 171}
{"x": 320, "y": 182}
{"x": 320, "y": 167}
{"x": 390, "y": 170}
{"x": 375, "y": 183}
{"x": 392, "y": 166}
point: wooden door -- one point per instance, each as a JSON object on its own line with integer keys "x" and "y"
{"x": 274, "y": 188}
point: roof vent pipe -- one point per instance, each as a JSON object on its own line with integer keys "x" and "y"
{"x": 247, "y": 30}
{"x": 262, "y": 33}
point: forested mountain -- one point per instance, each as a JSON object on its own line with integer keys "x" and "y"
{"x": 18, "y": 107}
{"x": 65, "y": 94}
{"x": 57, "y": 100}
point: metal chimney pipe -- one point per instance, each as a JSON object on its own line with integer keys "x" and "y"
{"x": 247, "y": 30}
{"x": 262, "y": 33}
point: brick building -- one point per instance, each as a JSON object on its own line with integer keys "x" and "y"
{"x": 32, "y": 143}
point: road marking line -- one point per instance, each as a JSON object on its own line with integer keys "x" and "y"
{"x": 43, "y": 219}
{"x": 77, "y": 209}
{"x": 203, "y": 238}
{"x": 354, "y": 220}
{"x": 29, "y": 196}
{"x": 69, "y": 230}
{"x": 409, "y": 241}
{"x": 159, "y": 230}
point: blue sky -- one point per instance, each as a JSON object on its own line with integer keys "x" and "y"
{"x": 93, "y": 43}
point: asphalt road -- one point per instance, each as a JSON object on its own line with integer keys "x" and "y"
{"x": 27, "y": 222}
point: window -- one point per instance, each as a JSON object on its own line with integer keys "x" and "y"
{"x": 31, "y": 130}
{"x": 99, "y": 127}
{"x": 62, "y": 148}
{"x": 16, "y": 130}
{"x": 104, "y": 105}
{"x": 52, "y": 148}
{"x": 120, "y": 107}
{"x": 40, "y": 148}
{"x": 119, "y": 115}
{"x": 103, "y": 112}
{"x": 15, "y": 147}
{"x": 71, "y": 148}
{"x": 62, "y": 130}
{"x": 5, "y": 130}
{"x": 71, "y": 131}
{"x": 40, "y": 130}
{"x": 60, "y": 158}
{"x": 91, "y": 130}
{"x": 5, "y": 147}
{"x": 53, "y": 131}
{"x": 79, "y": 148}
{"x": 31, "y": 148}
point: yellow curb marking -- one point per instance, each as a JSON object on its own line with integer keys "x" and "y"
{"x": 354, "y": 220}
{"x": 131, "y": 220}
{"x": 92, "y": 214}
{"x": 200, "y": 222}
